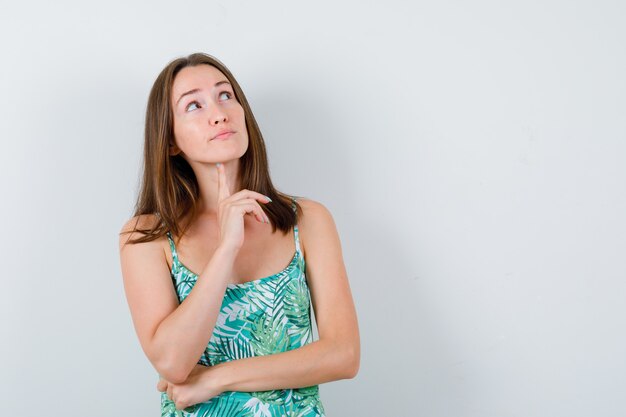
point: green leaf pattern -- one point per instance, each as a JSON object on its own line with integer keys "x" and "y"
{"x": 261, "y": 317}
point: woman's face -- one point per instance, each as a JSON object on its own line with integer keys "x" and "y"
{"x": 204, "y": 105}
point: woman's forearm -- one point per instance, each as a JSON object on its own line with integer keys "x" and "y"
{"x": 181, "y": 338}
{"x": 314, "y": 363}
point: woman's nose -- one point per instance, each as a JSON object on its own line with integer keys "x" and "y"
{"x": 218, "y": 116}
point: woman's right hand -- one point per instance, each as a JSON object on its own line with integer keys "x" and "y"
{"x": 232, "y": 208}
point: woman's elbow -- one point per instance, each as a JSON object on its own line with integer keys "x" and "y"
{"x": 171, "y": 371}
{"x": 174, "y": 378}
{"x": 351, "y": 362}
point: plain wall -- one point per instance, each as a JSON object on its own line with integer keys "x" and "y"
{"x": 471, "y": 153}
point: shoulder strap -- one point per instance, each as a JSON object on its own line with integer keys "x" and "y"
{"x": 172, "y": 247}
{"x": 295, "y": 227}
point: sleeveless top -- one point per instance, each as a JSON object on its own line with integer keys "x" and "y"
{"x": 261, "y": 317}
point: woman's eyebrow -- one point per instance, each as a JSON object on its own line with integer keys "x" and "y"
{"x": 195, "y": 90}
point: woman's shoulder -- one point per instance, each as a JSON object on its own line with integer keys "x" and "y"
{"x": 130, "y": 228}
{"x": 316, "y": 220}
{"x": 313, "y": 208}
{"x": 141, "y": 221}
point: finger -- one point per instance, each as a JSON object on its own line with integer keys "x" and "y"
{"x": 251, "y": 206}
{"x": 161, "y": 385}
{"x": 256, "y": 197}
{"x": 222, "y": 183}
{"x": 249, "y": 194}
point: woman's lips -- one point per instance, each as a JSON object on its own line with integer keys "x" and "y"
{"x": 224, "y": 135}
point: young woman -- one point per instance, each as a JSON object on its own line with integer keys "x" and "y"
{"x": 227, "y": 333}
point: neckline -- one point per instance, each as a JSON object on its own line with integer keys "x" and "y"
{"x": 293, "y": 263}
{"x": 289, "y": 267}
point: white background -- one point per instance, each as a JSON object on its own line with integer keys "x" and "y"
{"x": 472, "y": 155}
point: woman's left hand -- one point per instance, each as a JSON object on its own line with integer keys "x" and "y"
{"x": 199, "y": 387}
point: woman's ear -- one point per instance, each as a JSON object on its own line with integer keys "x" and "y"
{"x": 174, "y": 149}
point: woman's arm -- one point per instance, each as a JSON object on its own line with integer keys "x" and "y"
{"x": 311, "y": 364}
{"x": 157, "y": 315}
{"x": 336, "y": 355}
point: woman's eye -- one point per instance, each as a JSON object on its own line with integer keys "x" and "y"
{"x": 228, "y": 93}
{"x": 188, "y": 105}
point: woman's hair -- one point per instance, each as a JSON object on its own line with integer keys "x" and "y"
{"x": 169, "y": 188}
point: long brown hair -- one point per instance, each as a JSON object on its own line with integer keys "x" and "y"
{"x": 169, "y": 188}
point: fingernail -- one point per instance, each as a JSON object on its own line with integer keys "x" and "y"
{"x": 268, "y": 198}
{"x": 218, "y": 164}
